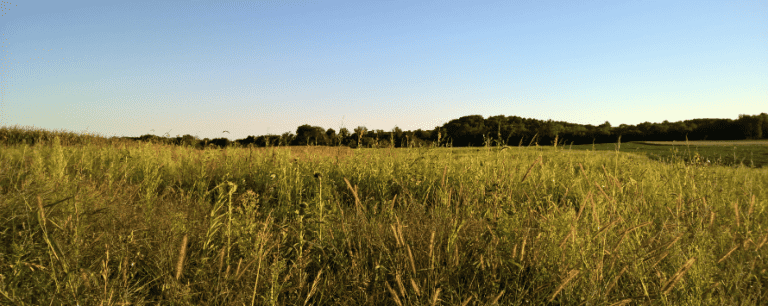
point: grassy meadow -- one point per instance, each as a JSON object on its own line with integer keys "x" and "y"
{"x": 101, "y": 222}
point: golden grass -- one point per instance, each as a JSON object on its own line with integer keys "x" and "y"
{"x": 182, "y": 254}
{"x": 468, "y": 227}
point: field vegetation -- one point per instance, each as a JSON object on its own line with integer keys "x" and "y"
{"x": 86, "y": 220}
{"x": 751, "y": 153}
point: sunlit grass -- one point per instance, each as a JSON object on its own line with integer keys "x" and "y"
{"x": 142, "y": 223}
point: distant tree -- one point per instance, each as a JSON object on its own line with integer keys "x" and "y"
{"x": 188, "y": 141}
{"x": 330, "y": 135}
{"x": 422, "y": 134}
{"x": 549, "y": 130}
{"x": 396, "y": 137}
{"x": 751, "y": 126}
{"x": 247, "y": 141}
{"x": 605, "y": 128}
{"x": 343, "y": 135}
{"x": 414, "y": 141}
{"x": 306, "y": 135}
{"x": 204, "y": 143}
{"x": 220, "y": 142}
{"x": 287, "y": 138}
{"x": 466, "y": 131}
{"x": 368, "y": 142}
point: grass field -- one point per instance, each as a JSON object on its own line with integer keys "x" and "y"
{"x": 751, "y": 153}
{"x": 135, "y": 224}
{"x": 698, "y": 143}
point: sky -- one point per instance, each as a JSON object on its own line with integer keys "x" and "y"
{"x": 201, "y": 67}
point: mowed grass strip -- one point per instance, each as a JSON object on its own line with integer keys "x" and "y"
{"x": 749, "y": 153}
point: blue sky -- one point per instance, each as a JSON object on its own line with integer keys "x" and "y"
{"x": 199, "y": 67}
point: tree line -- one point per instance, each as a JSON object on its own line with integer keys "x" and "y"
{"x": 499, "y": 130}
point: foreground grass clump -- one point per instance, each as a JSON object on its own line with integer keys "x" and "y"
{"x": 146, "y": 224}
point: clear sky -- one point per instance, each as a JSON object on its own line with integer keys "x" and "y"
{"x": 199, "y": 67}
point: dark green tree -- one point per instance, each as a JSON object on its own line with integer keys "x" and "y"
{"x": 307, "y": 134}
{"x": 330, "y": 135}
{"x": 466, "y": 131}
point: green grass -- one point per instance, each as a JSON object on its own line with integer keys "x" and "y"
{"x": 733, "y": 154}
{"x": 124, "y": 223}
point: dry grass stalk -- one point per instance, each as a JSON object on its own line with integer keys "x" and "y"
{"x": 124, "y": 270}
{"x": 431, "y": 251}
{"x": 661, "y": 257}
{"x": 392, "y": 205}
{"x": 410, "y": 256}
{"x": 522, "y": 248}
{"x": 711, "y": 218}
{"x": 358, "y": 204}
{"x": 674, "y": 241}
{"x": 571, "y": 275}
{"x": 607, "y": 197}
{"x": 496, "y": 299}
{"x": 530, "y": 168}
{"x": 562, "y": 243}
{"x": 394, "y": 232}
{"x": 40, "y": 207}
{"x": 241, "y": 272}
{"x": 442, "y": 182}
{"x": 456, "y": 254}
{"x": 435, "y": 297}
{"x": 675, "y": 278}
{"x": 394, "y": 294}
{"x": 584, "y": 173}
{"x": 400, "y": 283}
{"x": 622, "y": 302}
{"x": 751, "y": 206}
{"x": 466, "y": 301}
{"x": 182, "y": 254}
{"x": 626, "y": 232}
{"x": 608, "y": 226}
{"x": 614, "y": 281}
{"x": 638, "y": 226}
{"x": 728, "y": 254}
{"x": 415, "y": 287}
{"x": 760, "y": 245}
{"x": 239, "y": 262}
{"x": 584, "y": 205}
{"x": 400, "y": 231}
{"x": 221, "y": 259}
{"x": 314, "y": 287}
{"x": 736, "y": 211}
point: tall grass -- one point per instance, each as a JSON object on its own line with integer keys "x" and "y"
{"x": 124, "y": 223}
